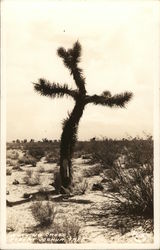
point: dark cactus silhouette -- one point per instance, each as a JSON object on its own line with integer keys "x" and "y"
{"x": 71, "y": 58}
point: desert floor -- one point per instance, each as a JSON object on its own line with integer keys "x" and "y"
{"x": 93, "y": 210}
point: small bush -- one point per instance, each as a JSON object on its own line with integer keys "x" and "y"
{"x": 35, "y": 150}
{"x": 43, "y": 212}
{"x": 80, "y": 187}
{"x": 10, "y": 162}
{"x": 8, "y": 171}
{"x": 29, "y": 173}
{"x": 26, "y": 195}
{"x": 11, "y": 224}
{"x": 52, "y": 157}
{"x": 86, "y": 156}
{"x": 13, "y": 155}
{"x": 32, "y": 178}
{"x": 66, "y": 232}
{"x": 104, "y": 152}
{"x": 93, "y": 170}
{"x": 27, "y": 160}
{"x": 70, "y": 231}
{"x": 18, "y": 168}
{"x": 41, "y": 169}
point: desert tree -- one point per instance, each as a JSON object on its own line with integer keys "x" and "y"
{"x": 71, "y": 58}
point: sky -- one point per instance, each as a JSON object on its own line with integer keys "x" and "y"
{"x": 119, "y": 53}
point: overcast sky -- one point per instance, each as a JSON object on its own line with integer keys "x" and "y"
{"x": 119, "y": 53}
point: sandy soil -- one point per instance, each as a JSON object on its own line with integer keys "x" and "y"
{"x": 93, "y": 211}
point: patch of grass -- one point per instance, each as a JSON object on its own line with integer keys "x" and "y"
{"x": 43, "y": 212}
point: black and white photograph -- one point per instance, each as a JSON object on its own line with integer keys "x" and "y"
{"x": 80, "y": 124}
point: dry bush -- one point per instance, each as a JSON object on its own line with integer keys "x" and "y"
{"x": 11, "y": 224}
{"x": 65, "y": 232}
{"x": 27, "y": 160}
{"x": 136, "y": 187}
{"x": 132, "y": 178}
{"x": 31, "y": 178}
{"x": 80, "y": 186}
{"x": 35, "y": 150}
{"x": 70, "y": 231}
{"x": 43, "y": 212}
{"x": 41, "y": 169}
{"x": 104, "y": 151}
{"x": 10, "y": 162}
{"x": 52, "y": 157}
{"x": 92, "y": 171}
{"x": 18, "y": 168}
{"x": 8, "y": 171}
{"x": 12, "y": 154}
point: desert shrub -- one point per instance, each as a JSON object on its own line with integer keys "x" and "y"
{"x": 26, "y": 195}
{"x": 97, "y": 186}
{"x": 136, "y": 189}
{"x": 133, "y": 179}
{"x": 93, "y": 170}
{"x": 31, "y": 178}
{"x": 104, "y": 152}
{"x": 138, "y": 151}
{"x": 86, "y": 156}
{"x": 70, "y": 231}
{"x": 80, "y": 186}
{"x": 41, "y": 169}
{"x": 42, "y": 190}
{"x": 18, "y": 168}
{"x": 43, "y": 212}
{"x": 11, "y": 162}
{"x": 11, "y": 224}
{"x": 52, "y": 157}
{"x": 8, "y": 171}
{"x": 35, "y": 150}
{"x": 27, "y": 160}
{"x": 64, "y": 232}
{"x": 12, "y": 154}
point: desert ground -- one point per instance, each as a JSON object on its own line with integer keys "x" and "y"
{"x": 90, "y": 215}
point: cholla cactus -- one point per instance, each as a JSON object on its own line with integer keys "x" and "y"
{"x": 71, "y": 58}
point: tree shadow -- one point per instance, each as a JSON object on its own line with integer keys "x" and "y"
{"x": 72, "y": 200}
